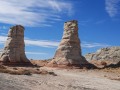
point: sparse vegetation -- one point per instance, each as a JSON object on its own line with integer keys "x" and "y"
{"x": 15, "y": 68}
{"x": 24, "y": 71}
{"x": 10, "y": 72}
{"x": 103, "y": 63}
{"x": 52, "y": 73}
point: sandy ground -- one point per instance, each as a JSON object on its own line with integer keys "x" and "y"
{"x": 65, "y": 80}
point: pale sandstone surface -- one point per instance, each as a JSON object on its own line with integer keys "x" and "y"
{"x": 109, "y": 53}
{"x": 66, "y": 79}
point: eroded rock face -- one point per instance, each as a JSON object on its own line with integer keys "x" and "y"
{"x": 109, "y": 53}
{"x": 0, "y": 52}
{"x": 14, "y": 51}
{"x": 69, "y": 50}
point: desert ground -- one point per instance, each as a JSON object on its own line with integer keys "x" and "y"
{"x": 61, "y": 79}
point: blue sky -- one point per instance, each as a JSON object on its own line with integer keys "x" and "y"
{"x": 99, "y": 23}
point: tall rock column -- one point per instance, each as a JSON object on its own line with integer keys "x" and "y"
{"x": 14, "y": 49}
{"x": 69, "y": 50}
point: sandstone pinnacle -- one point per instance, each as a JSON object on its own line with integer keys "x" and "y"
{"x": 69, "y": 49}
{"x": 14, "y": 48}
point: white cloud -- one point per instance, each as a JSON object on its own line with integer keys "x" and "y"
{"x": 35, "y": 53}
{"x": 41, "y": 43}
{"x": 30, "y": 42}
{"x": 93, "y": 45}
{"x": 100, "y": 21}
{"x": 50, "y": 44}
{"x": 33, "y": 12}
{"x": 83, "y": 23}
{"x": 1, "y": 50}
{"x": 3, "y": 27}
{"x": 3, "y": 39}
{"x": 112, "y": 7}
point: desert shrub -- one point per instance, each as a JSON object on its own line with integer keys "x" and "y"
{"x": 43, "y": 72}
{"x": 15, "y": 72}
{"x": 52, "y": 73}
{"x": 10, "y": 72}
{"x": 103, "y": 63}
{"x": 15, "y": 68}
{"x": 4, "y": 71}
{"x": 2, "y": 67}
{"x": 37, "y": 69}
{"x": 26, "y": 72}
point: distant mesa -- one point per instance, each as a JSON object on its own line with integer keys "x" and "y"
{"x": 111, "y": 54}
{"x": 14, "y": 51}
{"x": 69, "y": 50}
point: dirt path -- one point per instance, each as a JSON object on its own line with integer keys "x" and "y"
{"x": 65, "y": 80}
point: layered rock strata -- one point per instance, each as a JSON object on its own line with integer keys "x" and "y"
{"x": 69, "y": 49}
{"x": 14, "y": 49}
{"x": 0, "y": 52}
{"x": 109, "y": 53}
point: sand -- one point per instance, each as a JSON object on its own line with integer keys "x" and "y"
{"x": 66, "y": 79}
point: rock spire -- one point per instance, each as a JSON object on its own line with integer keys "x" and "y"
{"x": 14, "y": 49}
{"x": 69, "y": 49}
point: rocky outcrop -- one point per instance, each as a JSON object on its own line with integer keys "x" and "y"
{"x": 0, "y": 52}
{"x": 109, "y": 53}
{"x": 69, "y": 49}
{"x": 14, "y": 51}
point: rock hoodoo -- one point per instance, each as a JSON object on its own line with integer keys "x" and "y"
{"x": 14, "y": 51}
{"x": 69, "y": 50}
{"x": 109, "y": 53}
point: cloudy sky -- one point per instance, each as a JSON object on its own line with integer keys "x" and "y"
{"x": 99, "y": 23}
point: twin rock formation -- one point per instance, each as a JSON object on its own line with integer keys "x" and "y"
{"x": 14, "y": 49}
{"x": 68, "y": 52}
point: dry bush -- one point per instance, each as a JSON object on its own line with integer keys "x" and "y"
{"x": 24, "y": 71}
{"x": 103, "y": 63}
{"x": 100, "y": 63}
{"x": 15, "y": 68}
{"x": 4, "y": 70}
{"x": 52, "y": 73}
{"x": 2, "y": 67}
{"x": 14, "y": 71}
{"x": 118, "y": 79}
{"x": 10, "y": 71}
{"x": 38, "y": 69}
